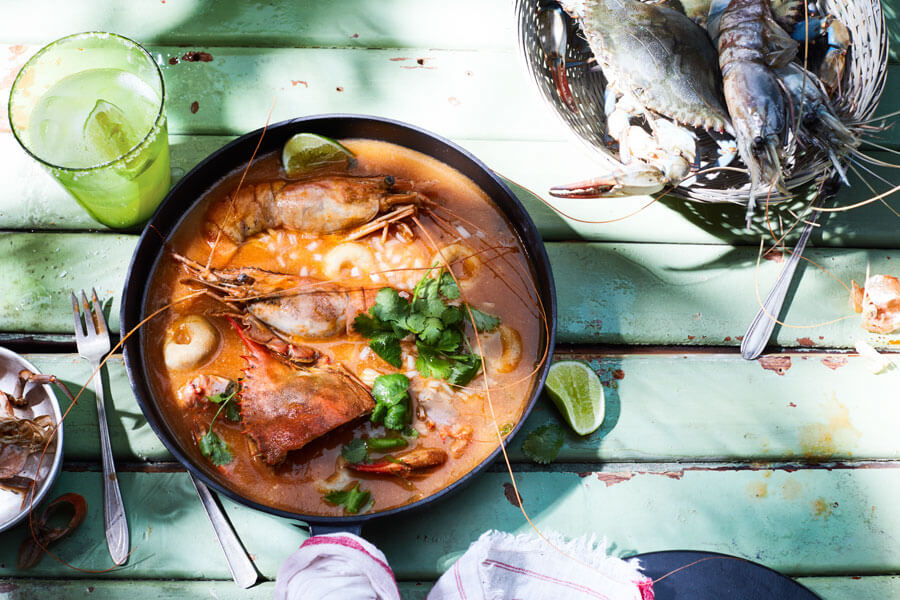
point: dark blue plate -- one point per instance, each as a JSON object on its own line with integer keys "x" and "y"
{"x": 716, "y": 577}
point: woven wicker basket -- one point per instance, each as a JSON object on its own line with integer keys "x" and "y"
{"x": 863, "y": 83}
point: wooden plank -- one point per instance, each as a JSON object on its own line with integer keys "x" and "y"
{"x": 810, "y": 522}
{"x": 828, "y": 588}
{"x": 106, "y": 589}
{"x": 659, "y": 408}
{"x": 348, "y": 23}
{"x": 456, "y": 93}
{"x": 32, "y": 200}
{"x": 702, "y": 295}
{"x": 170, "y": 533}
{"x": 608, "y": 293}
{"x": 282, "y": 23}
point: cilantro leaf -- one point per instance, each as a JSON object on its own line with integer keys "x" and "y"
{"x": 415, "y": 322}
{"x": 448, "y": 287}
{"x": 355, "y": 451}
{"x": 392, "y": 402}
{"x": 232, "y": 411}
{"x": 464, "y": 369}
{"x": 451, "y": 315}
{"x": 449, "y": 341}
{"x": 215, "y": 449}
{"x": 228, "y": 394}
{"x": 543, "y": 444}
{"x": 352, "y": 500}
{"x": 387, "y": 346}
{"x": 368, "y": 326}
{"x": 431, "y": 332}
{"x": 483, "y": 321}
{"x": 410, "y": 432}
{"x": 227, "y": 401}
{"x": 389, "y": 306}
{"x": 430, "y": 364}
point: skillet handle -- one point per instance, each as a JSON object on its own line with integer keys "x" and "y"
{"x": 322, "y": 529}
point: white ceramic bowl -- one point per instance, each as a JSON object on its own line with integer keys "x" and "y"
{"x": 41, "y": 401}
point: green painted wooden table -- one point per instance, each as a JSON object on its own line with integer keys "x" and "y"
{"x": 797, "y": 467}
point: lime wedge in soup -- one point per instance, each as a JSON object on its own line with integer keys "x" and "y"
{"x": 578, "y": 394}
{"x": 307, "y": 153}
{"x": 107, "y": 132}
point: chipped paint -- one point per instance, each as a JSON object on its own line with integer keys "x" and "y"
{"x": 834, "y": 362}
{"x": 835, "y": 436}
{"x": 611, "y": 479}
{"x": 296, "y": 82}
{"x": 807, "y": 342}
{"x": 510, "y": 492}
{"x": 778, "y": 364}
{"x": 195, "y": 106}
{"x": 194, "y": 56}
{"x": 618, "y": 374}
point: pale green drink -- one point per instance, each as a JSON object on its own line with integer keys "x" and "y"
{"x": 90, "y": 108}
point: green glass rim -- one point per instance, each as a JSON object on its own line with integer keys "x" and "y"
{"x": 137, "y": 148}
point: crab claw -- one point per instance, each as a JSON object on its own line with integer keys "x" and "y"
{"x": 554, "y": 38}
{"x": 614, "y": 185}
{"x": 405, "y": 465}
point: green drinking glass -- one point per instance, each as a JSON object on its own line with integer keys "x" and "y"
{"x": 90, "y": 108}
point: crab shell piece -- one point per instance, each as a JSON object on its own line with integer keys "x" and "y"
{"x": 283, "y": 408}
{"x": 658, "y": 55}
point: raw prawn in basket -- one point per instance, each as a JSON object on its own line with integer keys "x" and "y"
{"x": 790, "y": 124}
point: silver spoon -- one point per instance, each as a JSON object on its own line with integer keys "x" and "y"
{"x": 760, "y": 329}
{"x": 240, "y": 565}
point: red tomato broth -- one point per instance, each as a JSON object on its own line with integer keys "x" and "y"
{"x": 298, "y": 484}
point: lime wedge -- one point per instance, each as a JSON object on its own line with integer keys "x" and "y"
{"x": 578, "y": 394}
{"x": 307, "y": 153}
{"x": 108, "y": 133}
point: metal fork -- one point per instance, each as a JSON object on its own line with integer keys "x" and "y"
{"x": 92, "y": 340}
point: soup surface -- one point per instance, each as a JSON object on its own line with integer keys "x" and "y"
{"x": 457, "y": 425}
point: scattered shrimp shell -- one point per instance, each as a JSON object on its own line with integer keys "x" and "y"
{"x": 189, "y": 342}
{"x": 511, "y": 353}
{"x": 879, "y": 303}
{"x": 345, "y": 259}
{"x": 461, "y": 254}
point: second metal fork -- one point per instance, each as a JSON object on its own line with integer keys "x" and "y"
{"x": 92, "y": 340}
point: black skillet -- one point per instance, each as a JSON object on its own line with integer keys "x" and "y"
{"x": 191, "y": 188}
